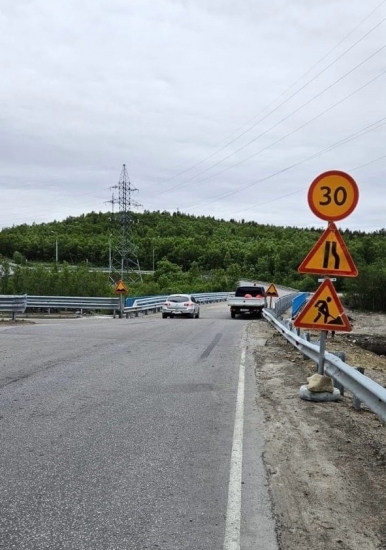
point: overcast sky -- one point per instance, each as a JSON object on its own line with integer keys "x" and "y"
{"x": 217, "y": 107}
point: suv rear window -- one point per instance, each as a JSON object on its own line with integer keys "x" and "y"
{"x": 254, "y": 291}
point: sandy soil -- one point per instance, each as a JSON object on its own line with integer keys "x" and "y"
{"x": 326, "y": 462}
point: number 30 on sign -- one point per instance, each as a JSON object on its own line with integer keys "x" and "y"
{"x": 333, "y": 195}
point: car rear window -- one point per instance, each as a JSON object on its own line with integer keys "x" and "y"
{"x": 252, "y": 290}
{"x": 178, "y": 298}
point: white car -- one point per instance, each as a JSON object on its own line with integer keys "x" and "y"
{"x": 181, "y": 304}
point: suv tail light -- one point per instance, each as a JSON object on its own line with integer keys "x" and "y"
{"x": 188, "y": 304}
{"x": 167, "y": 304}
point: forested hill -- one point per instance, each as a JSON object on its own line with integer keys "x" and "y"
{"x": 204, "y": 244}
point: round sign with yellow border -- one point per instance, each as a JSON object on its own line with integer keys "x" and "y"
{"x": 333, "y": 195}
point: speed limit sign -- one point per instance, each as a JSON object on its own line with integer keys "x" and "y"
{"x": 333, "y": 195}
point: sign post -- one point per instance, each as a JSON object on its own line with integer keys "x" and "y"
{"x": 271, "y": 292}
{"x": 121, "y": 289}
{"x": 332, "y": 196}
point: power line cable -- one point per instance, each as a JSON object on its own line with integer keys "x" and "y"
{"x": 359, "y": 133}
{"x": 184, "y": 184}
{"x": 296, "y": 164}
{"x": 304, "y": 188}
{"x": 288, "y": 89}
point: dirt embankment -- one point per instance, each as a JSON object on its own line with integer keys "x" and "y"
{"x": 326, "y": 462}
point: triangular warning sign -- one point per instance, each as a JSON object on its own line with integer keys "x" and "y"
{"x": 120, "y": 287}
{"x": 329, "y": 256}
{"x": 323, "y": 311}
{"x": 271, "y": 290}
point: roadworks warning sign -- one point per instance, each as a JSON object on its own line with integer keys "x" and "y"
{"x": 323, "y": 311}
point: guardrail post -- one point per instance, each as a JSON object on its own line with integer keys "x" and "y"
{"x": 322, "y": 350}
{"x": 356, "y": 401}
{"x": 342, "y": 357}
{"x": 307, "y": 337}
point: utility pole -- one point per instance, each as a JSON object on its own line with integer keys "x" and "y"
{"x": 111, "y": 219}
{"x": 124, "y": 260}
{"x": 56, "y": 247}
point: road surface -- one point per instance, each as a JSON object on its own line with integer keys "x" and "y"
{"x": 132, "y": 434}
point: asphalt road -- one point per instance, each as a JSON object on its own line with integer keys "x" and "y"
{"x": 132, "y": 434}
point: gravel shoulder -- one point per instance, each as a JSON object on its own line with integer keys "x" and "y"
{"x": 326, "y": 462}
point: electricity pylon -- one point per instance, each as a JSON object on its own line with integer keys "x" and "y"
{"x": 124, "y": 260}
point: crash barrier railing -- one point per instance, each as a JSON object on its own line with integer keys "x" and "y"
{"x": 363, "y": 388}
{"x": 285, "y": 302}
{"x": 154, "y": 304}
{"x": 13, "y": 304}
{"x": 299, "y": 302}
{"x": 20, "y": 304}
{"x": 79, "y": 303}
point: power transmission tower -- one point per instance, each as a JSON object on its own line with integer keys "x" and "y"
{"x": 124, "y": 263}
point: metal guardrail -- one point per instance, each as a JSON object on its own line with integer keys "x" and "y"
{"x": 155, "y": 303}
{"x": 72, "y": 302}
{"x": 285, "y": 302}
{"x": 363, "y": 388}
{"x": 13, "y": 304}
{"x": 19, "y": 304}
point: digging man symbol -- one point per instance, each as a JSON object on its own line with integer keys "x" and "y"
{"x": 322, "y": 307}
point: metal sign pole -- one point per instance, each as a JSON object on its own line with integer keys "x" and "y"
{"x": 121, "y": 305}
{"x": 322, "y": 350}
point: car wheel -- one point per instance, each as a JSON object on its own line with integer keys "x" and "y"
{"x": 233, "y": 314}
{"x": 164, "y": 315}
{"x": 197, "y": 315}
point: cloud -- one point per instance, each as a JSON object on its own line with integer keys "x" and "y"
{"x": 205, "y": 102}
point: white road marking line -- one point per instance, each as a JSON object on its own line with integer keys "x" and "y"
{"x": 233, "y": 516}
